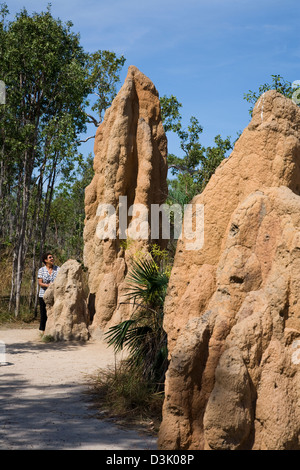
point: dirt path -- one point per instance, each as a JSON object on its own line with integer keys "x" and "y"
{"x": 42, "y": 399}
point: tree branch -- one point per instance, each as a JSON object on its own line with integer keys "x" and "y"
{"x": 182, "y": 168}
{"x": 88, "y": 138}
{"x": 93, "y": 120}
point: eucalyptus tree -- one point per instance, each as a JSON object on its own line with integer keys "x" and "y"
{"x": 196, "y": 164}
{"x": 278, "y": 83}
{"x": 43, "y": 66}
{"x": 104, "y": 68}
{"x": 67, "y": 214}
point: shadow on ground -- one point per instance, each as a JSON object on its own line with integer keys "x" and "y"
{"x": 58, "y": 420}
{"x": 37, "y": 415}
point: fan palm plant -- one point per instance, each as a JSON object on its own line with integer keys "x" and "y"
{"x": 143, "y": 333}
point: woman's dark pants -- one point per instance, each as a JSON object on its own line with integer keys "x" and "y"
{"x": 43, "y": 314}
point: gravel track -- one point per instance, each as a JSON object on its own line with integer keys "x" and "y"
{"x": 43, "y": 401}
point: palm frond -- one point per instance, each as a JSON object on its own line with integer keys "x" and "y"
{"x": 143, "y": 333}
{"x": 146, "y": 282}
{"x": 117, "y": 335}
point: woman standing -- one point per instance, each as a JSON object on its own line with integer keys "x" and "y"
{"x": 46, "y": 276}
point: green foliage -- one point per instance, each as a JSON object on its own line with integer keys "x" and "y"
{"x": 43, "y": 66}
{"x": 126, "y": 243}
{"x": 67, "y": 214}
{"x": 191, "y": 147}
{"x": 143, "y": 335}
{"x": 148, "y": 283}
{"x": 182, "y": 189}
{"x": 104, "y": 69}
{"x": 211, "y": 159}
{"x": 48, "y": 339}
{"x": 170, "y": 113}
{"x": 43, "y": 69}
{"x": 121, "y": 394}
{"x": 51, "y": 82}
{"x": 278, "y": 83}
{"x": 198, "y": 163}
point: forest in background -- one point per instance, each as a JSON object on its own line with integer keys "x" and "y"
{"x": 54, "y": 91}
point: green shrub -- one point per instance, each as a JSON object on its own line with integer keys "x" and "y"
{"x": 143, "y": 334}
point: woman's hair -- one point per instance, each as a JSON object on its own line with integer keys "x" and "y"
{"x": 45, "y": 256}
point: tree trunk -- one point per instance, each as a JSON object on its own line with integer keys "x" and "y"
{"x": 22, "y": 243}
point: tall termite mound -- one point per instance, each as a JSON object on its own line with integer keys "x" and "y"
{"x": 232, "y": 312}
{"x": 130, "y": 168}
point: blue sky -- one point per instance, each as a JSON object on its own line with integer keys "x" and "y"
{"x": 207, "y": 53}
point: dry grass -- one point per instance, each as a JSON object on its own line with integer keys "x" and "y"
{"x": 119, "y": 394}
{"x": 26, "y": 314}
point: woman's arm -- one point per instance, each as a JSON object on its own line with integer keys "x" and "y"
{"x": 42, "y": 284}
